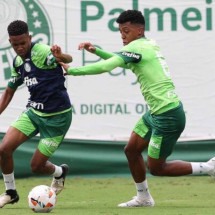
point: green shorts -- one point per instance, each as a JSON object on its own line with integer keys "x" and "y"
{"x": 162, "y": 131}
{"x": 52, "y": 129}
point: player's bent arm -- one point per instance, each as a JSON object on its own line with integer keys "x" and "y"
{"x": 6, "y": 97}
{"x": 97, "y": 68}
{"x": 65, "y": 58}
{"x": 59, "y": 55}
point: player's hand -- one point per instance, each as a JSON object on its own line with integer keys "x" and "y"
{"x": 56, "y": 51}
{"x": 87, "y": 46}
{"x": 59, "y": 55}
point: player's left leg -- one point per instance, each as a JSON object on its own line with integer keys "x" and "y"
{"x": 52, "y": 132}
{"x": 167, "y": 128}
{"x": 41, "y": 165}
{"x": 161, "y": 167}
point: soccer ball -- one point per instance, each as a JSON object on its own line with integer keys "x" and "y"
{"x": 42, "y": 199}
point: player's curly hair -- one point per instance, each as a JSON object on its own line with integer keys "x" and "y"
{"x": 133, "y": 16}
{"x": 17, "y": 27}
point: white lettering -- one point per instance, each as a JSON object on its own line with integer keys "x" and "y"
{"x": 49, "y": 143}
{"x": 13, "y": 79}
{"x": 30, "y": 81}
{"x": 38, "y": 106}
{"x": 130, "y": 54}
{"x": 157, "y": 146}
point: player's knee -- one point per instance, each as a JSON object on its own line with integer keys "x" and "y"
{"x": 129, "y": 152}
{"x": 132, "y": 153}
{"x": 126, "y": 150}
{"x": 155, "y": 170}
{"x": 5, "y": 152}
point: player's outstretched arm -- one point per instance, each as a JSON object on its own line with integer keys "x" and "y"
{"x": 95, "y": 68}
{"x": 59, "y": 55}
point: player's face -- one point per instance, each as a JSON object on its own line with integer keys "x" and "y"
{"x": 21, "y": 44}
{"x": 130, "y": 32}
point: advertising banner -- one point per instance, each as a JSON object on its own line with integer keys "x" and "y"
{"x": 107, "y": 106}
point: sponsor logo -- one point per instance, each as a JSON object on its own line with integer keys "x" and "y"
{"x": 131, "y": 54}
{"x": 14, "y": 79}
{"x": 49, "y": 143}
{"x": 30, "y": 81}
{"x": 39, "y": 26}
{"x": 35, "y": 105}
{"x": 152, "y": 144}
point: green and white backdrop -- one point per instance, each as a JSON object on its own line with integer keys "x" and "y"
{"x": 107, "y": 106}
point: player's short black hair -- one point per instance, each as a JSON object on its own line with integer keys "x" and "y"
{"x": 17, "y": 27}
{"x": 133, "y": 16}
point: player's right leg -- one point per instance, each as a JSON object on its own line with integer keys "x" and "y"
{"x": 12, "y": 139}
{"x": 9, "y": 197}
{"x": 133, "y": 151}
{"x": 19, "y": 132}
{"x": 138, "y": 202}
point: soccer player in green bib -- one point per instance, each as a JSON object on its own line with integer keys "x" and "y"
{"x": 158, "y": 129}
{"x": 48, "y": 110}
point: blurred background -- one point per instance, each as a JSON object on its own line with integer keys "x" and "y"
{"x": 107, "y": 106}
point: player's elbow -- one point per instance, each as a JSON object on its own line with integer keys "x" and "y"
{"x": 70, "y": 59}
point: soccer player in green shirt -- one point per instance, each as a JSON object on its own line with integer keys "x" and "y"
{"x": 160, "y": 127}
{"x": 48, "y": 110}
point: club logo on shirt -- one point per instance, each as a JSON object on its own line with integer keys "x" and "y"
{"x": 39, "y": 27}
{"x": 27, "y": 67}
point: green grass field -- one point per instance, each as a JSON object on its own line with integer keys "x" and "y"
{"x": 100, "y": 196}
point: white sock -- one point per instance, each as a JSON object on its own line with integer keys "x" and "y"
{"x": 9, "y": 181}
{"x": 58, "y": 171}
{"x": 142, "y": 189}
{"x": 201, "y": 168}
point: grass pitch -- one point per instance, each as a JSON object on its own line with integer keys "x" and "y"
{"x": 191, "y": 195}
